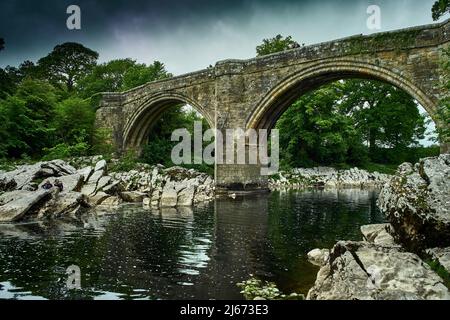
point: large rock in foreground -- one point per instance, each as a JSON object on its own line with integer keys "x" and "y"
{"x": 417, "y": 203}
{"x": 17, "y": 204}
{"x": 363, "y": 271}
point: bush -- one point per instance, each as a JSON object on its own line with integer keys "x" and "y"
{"x": 126, "y": 163}
{"x": 63, "y": 150}
{"x": 255, "y": 288}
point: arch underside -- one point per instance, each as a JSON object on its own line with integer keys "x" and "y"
{"x": 276, "y": 102}
{"x": 141, "y": 122}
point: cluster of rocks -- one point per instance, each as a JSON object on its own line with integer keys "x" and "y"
{"x": 91, "y": 185}
{"x": 393, "y": 261}
{"x": 325, "y": 177}
{"x": 160, "y": 187}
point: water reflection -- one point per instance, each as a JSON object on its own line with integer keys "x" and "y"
{"x": 184, "y": 253}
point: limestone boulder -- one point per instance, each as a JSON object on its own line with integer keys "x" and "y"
{"x": 318, "y": 257}
{"x": 98, "y": 198}
{"x": 100, "y": 165}
{"x": 133, "y": 196}
{"x": 91, "y": 186}
{"x": 186, "y": 196}
{"x": 111, "y": 201}
{"x": 72, "y": 182}
{"x": 86, "y": 173}
{"x": 363, "y": 271}
{"x": 16, "y": 205}
{"x": 417, "y": 203}
{"x": 380, "y": 234}
{"x": 169, "y": 197}
{"x": 67, "y": 204}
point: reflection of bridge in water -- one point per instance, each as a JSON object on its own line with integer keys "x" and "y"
{"x": 252, "y": 94}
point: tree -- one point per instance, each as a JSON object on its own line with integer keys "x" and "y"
{"x": 11, "y": 77}
{"x": 2, "y": 44}
{"x": 386, "y": 116}
{"x": 27, "y": 116}
{"x": 159, "y": 146}
{"x": 314, "y": 131}
{"x": 140, "y": 74}
{"x": 106, "y": 77}
{"x": 440, "y": 8}
{"x": 72, "y": 117}
{"x": 67, "y": 64}
{"x": 120, "y": 75}
{"x": 276, "y": 44}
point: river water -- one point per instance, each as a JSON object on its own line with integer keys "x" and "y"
{"x": 198, "y": 253}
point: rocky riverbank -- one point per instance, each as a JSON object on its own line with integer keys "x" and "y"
{"x": 324, "y": 177}
{"x": 88, "y": 184}
{"x": 409, "y": 258}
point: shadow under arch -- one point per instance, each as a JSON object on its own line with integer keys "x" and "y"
{"x": 139, "y": 125}
{"x": 274, "y": 104}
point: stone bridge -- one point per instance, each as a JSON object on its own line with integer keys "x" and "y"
{"x": 254, "y": 93}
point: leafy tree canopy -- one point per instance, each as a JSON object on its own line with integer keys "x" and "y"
{"x": 67, "y": 64}
{"x": 440, "y": 8}
{"x": 275, "y": 44}
{"x": 120, "y": 75}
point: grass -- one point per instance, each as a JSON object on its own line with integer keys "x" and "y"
{"x": 440, "y": 270}
{"x": 381, "y": 168}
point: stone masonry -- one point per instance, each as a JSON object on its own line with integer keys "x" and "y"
{"x": 254, "y": 93}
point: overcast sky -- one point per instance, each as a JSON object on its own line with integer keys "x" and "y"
{"x": 188, "y": 35}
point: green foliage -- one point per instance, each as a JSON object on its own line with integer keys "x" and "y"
{"x": 351, "y": 123}
{"x": 57, "y": 120}
{"x": 101, "y": 143}
{"x": 255, "y": 288}
{"x": 159, "y": 146}
{"x": 378, "y": 109}
{"x": 140, "y": 74}
{"x": 106, "y": 77}
{"x": 6, "y": 165}
{"x": 126, "y": 163}
{"x": 440, "y": 8}
{"x": 436, "y": 266}
{"x": 67, "y": 63}
{"x": 25, "y": 117}
{"x": 380, "y": 168}
{"x": 323, "y": 135}
{"x": 276, "y": 44}
{"x": 79, "y": 148}
{"x": 11, "y": 77}
{"x": 74, "y": 117}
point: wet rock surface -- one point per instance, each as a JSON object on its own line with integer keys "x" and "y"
{"x": 87, "y": 183}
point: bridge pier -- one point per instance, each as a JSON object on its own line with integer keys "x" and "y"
{"x": 240, "y": 179}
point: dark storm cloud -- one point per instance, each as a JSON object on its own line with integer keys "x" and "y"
{"x": 188, "y": 34}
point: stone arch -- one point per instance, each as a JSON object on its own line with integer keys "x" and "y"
{"x": 138, "y": 126}
{"x": 279, "y": 98}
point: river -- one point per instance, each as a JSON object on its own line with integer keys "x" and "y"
{"x": 198, "y": 253}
